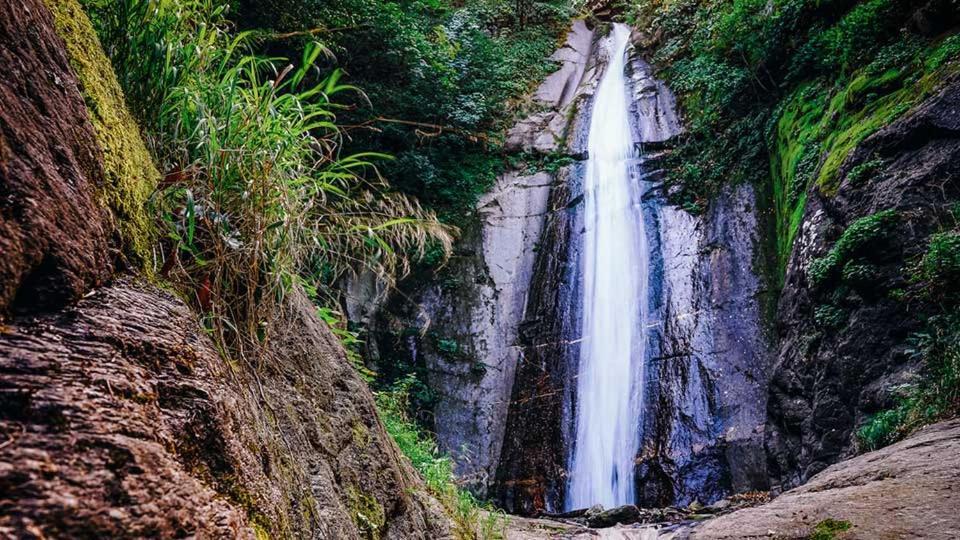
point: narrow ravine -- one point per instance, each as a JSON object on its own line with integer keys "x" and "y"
{"x": 609, "y": 394}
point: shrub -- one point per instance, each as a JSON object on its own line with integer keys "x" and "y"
{"x": 257, "y": 195}
{"x": 829, "y": 317}
{"x": 882, "y": 429}
{"x": 861, "y": 238}
{"x": 937, "y": 396}
{"x": 939, "y": 269}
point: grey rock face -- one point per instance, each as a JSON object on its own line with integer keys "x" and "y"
{"x": 709, "y": 355}
{"x": 706, "y": 393}
{"x": 559, "y": 95}
{"x": 481, "y": 315}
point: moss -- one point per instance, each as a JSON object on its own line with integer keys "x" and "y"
{"x": 818, "y": 127}
{"x": 829, "y": 528}
{"x": 367, "y": 514}
{"x": 130, "y": 173}
{"x": 361, "y": 435}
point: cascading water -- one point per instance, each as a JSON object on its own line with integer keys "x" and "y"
{"x": 612, "y": 363}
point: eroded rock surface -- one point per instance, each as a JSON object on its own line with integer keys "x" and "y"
{"x": 54, "y": 237}
{"x": 120, "y": 420}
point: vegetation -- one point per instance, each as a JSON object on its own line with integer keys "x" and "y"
{"x": 257, "y": 195}
{"x": 789, "y": 86}
{"x": 861, "y": 239}
{"x": 128, "y": 167}
{"x": 829, "y": 528}
{"x": 442, "y": 80}
{"x": 471, "y": 519}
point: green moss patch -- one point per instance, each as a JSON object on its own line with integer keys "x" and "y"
{"x": 130, "y": 173}
{"x": 367, "y": 514}
{"x": 829, "y": 528}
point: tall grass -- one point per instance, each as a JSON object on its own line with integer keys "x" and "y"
{"x": 256, "y": 194}
{"x": 471, "y": 520}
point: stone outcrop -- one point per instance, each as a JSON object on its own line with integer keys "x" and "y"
{"x": 121, "y": 420}
{"x": 54, "y": 236}
{"x": 828, "y": 380}
{"x": 906, "y": 490}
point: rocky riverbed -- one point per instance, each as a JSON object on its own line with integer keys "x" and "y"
{"x": 907, "y": 490}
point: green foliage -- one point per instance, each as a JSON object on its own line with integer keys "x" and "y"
{"x": 829, "y": 528}
{"x": 861, "y": 239}
{"x": 852, "y": 40}
{"x": 882, "y": 429}
{"x": 862, "y": 173}
{"x": 829, "y": 317}
{"x": 937, "y": 350}
{"x": 470, "y": 518}
{"x": 257, "y": 194}
{"x": 797, "y": 84}
{"x": 442, "y": 80}
{"x": 939, "y": 269}
{"x": 860, "y": 276}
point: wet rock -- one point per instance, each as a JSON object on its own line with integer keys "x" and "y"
{"x": 622, "y": 515}
{"x": 710, "y": 353}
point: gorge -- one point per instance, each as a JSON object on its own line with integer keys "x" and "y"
{"x": 476, "y": 270}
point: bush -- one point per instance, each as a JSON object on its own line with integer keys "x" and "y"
{"x": 939, "y": 269}
{"x": 882, "y": 429}
{"x": 937, "y": 396}
{"x": 861, "y": 239}
{"x": 257, "y": 195}
{"x": 830, "y": 317}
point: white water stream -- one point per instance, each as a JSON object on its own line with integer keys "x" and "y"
{"x": 609, "y": 389}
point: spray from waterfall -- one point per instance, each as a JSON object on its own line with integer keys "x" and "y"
{"x": 612, "y": 363}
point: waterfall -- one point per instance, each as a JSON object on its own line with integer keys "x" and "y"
{"x": 612, "y": 364}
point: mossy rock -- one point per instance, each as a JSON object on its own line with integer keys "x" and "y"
{"x": 129, "y": 169}
{"x": 367, "y": 514}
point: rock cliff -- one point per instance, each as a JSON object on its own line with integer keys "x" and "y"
{"x": 829, "y": 378}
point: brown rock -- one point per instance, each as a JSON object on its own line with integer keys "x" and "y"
{"x": 118, "y": 419}
{"x": 53, "y": 237}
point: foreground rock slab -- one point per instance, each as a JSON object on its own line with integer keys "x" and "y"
{"x": 907, "y": 490}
